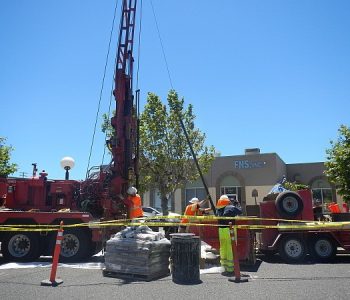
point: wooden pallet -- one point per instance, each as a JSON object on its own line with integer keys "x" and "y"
{"x": 135, "y": 277}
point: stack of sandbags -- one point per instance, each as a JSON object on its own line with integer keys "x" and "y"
{"x": 138, "y": 250}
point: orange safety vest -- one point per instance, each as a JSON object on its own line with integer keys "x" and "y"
{"x": 191, "y": 210}
{"x": 135, "y": 209}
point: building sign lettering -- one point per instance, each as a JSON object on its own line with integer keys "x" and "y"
{"x": 247, "y": 164}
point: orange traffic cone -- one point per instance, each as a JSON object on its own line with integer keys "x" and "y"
{"x": 53, "y": 281}
{"x": 237, "y": 270}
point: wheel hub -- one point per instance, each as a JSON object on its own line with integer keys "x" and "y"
{"x": 323, "y": 248}
{"x": 290, "y": 204}
{"x": 70, "y": 245}
{"x": 19, "y": 245}
{"x": 293, "y": 248}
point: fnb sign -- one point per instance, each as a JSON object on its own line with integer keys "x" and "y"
{"x": 247, "y": 164}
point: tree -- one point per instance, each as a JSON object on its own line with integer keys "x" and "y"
{"x": 338, "y": 162}
{"x": 295, "y": 186}
{"x": 6, "y": 168}
{"x": 166, "y": 162}
{"x": 106, "y": 126}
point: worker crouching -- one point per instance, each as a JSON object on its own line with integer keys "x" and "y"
{"x": 226, "y": 208}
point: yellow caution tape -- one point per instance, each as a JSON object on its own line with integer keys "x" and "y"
{"x": 212, "y": 217}
{"x": 2, "y": 228}
{"x": 282, "y": 224}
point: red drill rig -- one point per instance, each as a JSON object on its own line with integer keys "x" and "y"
{"x": 41, "y": 201}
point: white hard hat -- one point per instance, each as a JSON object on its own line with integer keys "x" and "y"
{"x": 194, "y": 200}
{"x": 132, "y": 190}
{"x": 224, "y": 197}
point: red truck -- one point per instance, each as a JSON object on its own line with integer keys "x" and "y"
{"x": 41, "y": 201}
{"x": 287, "y": 209}
{"x": 306, "y": 237}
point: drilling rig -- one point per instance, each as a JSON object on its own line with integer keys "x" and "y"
{"x": 42, "y": 201}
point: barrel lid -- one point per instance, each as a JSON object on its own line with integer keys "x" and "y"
{"x": 182, "y": 235}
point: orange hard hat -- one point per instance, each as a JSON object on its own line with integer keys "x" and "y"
{"x": 223, "y": 201}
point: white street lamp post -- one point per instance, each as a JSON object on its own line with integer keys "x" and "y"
{"x": 67, "y": 163}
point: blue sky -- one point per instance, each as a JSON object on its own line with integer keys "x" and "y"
{"x": 267, "y": 74}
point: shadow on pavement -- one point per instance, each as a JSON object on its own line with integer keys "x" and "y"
{"x": 48, "y": 259}
{"x": 251, "y": 268}
{"x": 276, "y": 259}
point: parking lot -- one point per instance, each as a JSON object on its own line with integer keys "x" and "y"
{"x": 268, "y": 278}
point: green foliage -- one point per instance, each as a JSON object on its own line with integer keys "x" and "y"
{"x": 106, "y": 125}
{"x": 166, "y": 162}
{"x": 6, "y": 168}
{"x": 294, "y": 186}
{"x": 338, "y": 162}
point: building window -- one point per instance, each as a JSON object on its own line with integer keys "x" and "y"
{"x": 233, "y": 192}
{"x": 322, "y": 194}
{"x": 192, "y": 192}
{"x": 322, "y": 191}
{"x": 231, "y": 186}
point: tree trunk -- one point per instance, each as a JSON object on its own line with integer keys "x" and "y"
{"x": 165, "y": 201}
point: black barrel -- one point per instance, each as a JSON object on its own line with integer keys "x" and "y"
{"x": 185, "y": 255}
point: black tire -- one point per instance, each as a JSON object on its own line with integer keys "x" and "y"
{"x": 20, "y": 246}
{"x": 75, "y": 245}
{"x": 289, "y": 204}
{"x": 292, "y": 249}
{"x": 323, "y": 249}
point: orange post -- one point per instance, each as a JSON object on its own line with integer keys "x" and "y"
{"x": 53, "y": 281}
{"x": 236, "y": 266}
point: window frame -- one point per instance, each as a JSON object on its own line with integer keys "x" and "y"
{"x": 232, "y": 196}
{"x": 322, "y": 194}
{"x": 196, "y": 188}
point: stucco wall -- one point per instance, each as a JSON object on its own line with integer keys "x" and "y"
{"x": 262, "y": 192}
{"x": 253, "y": 171}
{"x": 177, "y": 200}
{"x": 146, "y": 201}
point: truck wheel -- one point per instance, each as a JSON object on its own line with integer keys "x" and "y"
{"x": 20, "y": 246}
{"x": 292, "y": 249}
{"x": 323, "y": 249}
{"x": 75, "y": 245}
{"x": 289, "y": 204}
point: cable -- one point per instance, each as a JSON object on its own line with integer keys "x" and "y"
{"x": 161, "y": 44}
{"x": 139, "y": 50}
{"x": 180, "y": 118}
{"x": 101, "y": 91}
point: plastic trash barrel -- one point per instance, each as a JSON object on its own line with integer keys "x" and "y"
{"x": 185, "y": 256}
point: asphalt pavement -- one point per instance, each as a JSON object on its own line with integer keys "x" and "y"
{"x": 267, "y": 279}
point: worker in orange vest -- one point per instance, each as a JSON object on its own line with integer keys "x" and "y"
{"x": 192, "y": 209}
{"x": 226, "y": 208}
{"x": 133, "y": 203}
